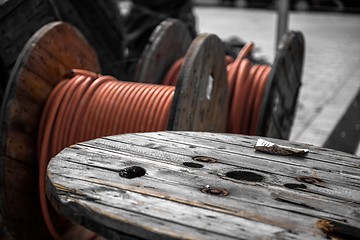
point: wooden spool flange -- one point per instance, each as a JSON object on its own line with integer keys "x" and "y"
{"x": 168, "y": 43}
{"x": 201, "y": 98}
{"x": 50, "y": 53}
{"x": 282, "y": 88}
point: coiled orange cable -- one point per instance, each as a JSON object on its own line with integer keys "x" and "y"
{"x": 89, "y": 106}
{"x": 246, "y": 84}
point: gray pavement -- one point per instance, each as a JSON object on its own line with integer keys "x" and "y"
{"x": 331, "y": 76}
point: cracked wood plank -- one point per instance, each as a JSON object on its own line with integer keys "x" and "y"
{"x": 172, "y": 200}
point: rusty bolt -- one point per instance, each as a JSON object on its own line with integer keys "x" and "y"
{"x": 215, "y": 191}
{"x": 204, "y": 159}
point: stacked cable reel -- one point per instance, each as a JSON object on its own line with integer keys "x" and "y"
{"x": 262, "y": 98}
{"x": 169, "y": 42}
{"x": 56, "y": 97}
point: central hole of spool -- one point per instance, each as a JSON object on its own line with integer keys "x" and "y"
{"x": 209, "y": 87}
{"x": 245, "y": 176}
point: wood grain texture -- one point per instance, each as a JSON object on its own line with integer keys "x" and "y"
{"x": 99, "y": 21}
{"x": 169, "y": 42}
{"x": 50, "y": 53}
{"x": 168, "y": 201}
{"x": 200, "y": 101}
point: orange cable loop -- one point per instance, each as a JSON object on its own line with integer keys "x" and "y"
{"x": 89, "y": 106}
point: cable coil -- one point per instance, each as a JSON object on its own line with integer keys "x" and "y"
{"x": 246, "y": 83}
{"x": 89, "y": 106}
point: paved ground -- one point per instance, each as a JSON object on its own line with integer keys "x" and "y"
{"x": 331, "y": 76}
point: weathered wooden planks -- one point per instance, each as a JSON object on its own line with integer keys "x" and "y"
{"x": 168, "y": 201}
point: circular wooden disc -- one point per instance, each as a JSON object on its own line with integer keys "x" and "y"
{"x": 49, "y": 54}
{"x": 201, "y": 96}
{"x": 168, "y": 43}
{"x": 281, "y": 93}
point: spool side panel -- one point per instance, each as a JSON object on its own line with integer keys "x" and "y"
{"x": 201, "y": 98}
{"x": 281, "y": 95}
{"x": 169, "y": 42}
{"x": 48, "y": 55}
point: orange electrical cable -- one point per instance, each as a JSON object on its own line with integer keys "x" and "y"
{"x": 246, "y": 83}
{"x": 237, "y": 103}
{"x": 89, "y": 106}
{"x": 173, "y": 74}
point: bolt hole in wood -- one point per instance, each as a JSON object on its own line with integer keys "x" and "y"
{"x": 295, "y": 186}
{"x": 132, "y": 172}
{"x": 193, "y": 165}
{"x": 205, "y": 159}
{"x": 245, "y": 176}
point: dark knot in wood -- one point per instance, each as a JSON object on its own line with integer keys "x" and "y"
{"x": 132, "y": 172}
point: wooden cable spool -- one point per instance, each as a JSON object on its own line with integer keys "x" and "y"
{"x": 206, "y": 95}
{"x": 281, "y": 93}
{"x": 99, "y": 21}
{"x": 43, "y": 58}
{"x": 199, "y": 105}
{"x": 168, "y": 42}
{"x": 278, "y": 105}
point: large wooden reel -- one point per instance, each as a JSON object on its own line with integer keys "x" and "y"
{"x": 280, "y": 98}
{"x": 49, "y": 54}
{"x": 201, "y": 87}
{"x": 169, "y": 42}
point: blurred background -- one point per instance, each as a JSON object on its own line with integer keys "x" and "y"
{"x": 297, "y": 5}
{"x": 328, "y": 110}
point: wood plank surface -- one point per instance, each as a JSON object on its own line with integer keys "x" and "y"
{"x": 266, "y": 198}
